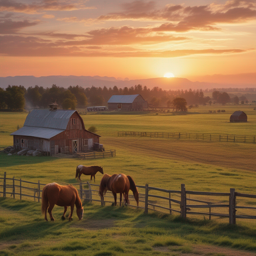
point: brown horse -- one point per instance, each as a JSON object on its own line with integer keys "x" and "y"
{"x": 54, "y": 193}
{"x": 118, "y": 183}
{"x": 90, "y": 170}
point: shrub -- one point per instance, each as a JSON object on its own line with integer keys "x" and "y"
{"x": 92, "y": 129}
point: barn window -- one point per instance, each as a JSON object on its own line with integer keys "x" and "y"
{"x": 73, "y": 121}
{"x": 85, "y": 142}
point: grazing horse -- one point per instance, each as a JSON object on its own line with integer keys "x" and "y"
{"x": 54, "y": 193}
{"x": 88, "y": 170}
{"x": 118, "y": 183}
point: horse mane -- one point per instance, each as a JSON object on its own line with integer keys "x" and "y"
{"x": 103, "y": 184}
{"x": 132, "y": 185}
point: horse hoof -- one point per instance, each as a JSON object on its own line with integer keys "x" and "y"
{"x": 52, "y": 219}
{"x": 63, "y": 218}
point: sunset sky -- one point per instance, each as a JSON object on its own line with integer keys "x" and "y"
{"x": 127, "y": 39}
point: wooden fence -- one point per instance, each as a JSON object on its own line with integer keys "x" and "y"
{"x": 215, "y": 137}
{"x": 231, "y": 205}
{"x": 97, "y": 154}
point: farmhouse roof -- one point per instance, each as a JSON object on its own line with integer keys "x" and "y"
{"x": 122, "y": 98}
{"x": 43, "y": 123}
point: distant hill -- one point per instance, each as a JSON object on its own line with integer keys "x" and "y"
{"x": 206, "y": 82}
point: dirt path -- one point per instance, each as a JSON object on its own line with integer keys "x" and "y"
{"x": 237, "y": 156}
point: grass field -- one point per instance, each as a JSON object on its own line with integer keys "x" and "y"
{"x": 202, "y": 166}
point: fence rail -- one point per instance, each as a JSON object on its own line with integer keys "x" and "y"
{"x": 225, "y": 205}
{"x": 97, "y": 154}
{"x": 214, "y": 137}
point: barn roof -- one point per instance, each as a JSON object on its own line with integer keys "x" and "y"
{"x": 43, "y": 123}
{"x": 122, "y": 98}
{"x": 44, "y": 133}
{"x": 45, "y": 118}
{"x": 238, "y": 113}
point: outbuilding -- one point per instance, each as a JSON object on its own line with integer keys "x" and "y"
{"x": 238, "y": 116}
{"x": 54, "y": 131}
{"x": 127, "y": 102}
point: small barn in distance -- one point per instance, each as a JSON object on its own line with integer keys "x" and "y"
{"x": 238, "y": 116}
{"x": 54, "y": 131}
{"x": 127, "y": 102}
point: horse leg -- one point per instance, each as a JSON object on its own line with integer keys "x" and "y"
{"x": 50, "y": 211}
{"x": 71, "y": 212}
{"x": 63, "y": 216}
{"x": 79, "y": 175}
{"x": 114, "y": 194}
{"x": 45, "y": 215}
{"x": 121, "y": 199}
{"x": 94, "y": 178}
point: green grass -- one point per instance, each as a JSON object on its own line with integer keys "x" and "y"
{"x": 24, "y": 232}
{"x": 159, "y": 162}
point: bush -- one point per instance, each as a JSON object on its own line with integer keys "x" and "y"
{"x": 92, "y": 129}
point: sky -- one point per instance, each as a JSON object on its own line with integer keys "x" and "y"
{"x": 127, "y": 39}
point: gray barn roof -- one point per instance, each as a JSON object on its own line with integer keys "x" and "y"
{"x": 122, "y": 98}
{"x": 43, "y": 133}
{"x": 43, "y": 123}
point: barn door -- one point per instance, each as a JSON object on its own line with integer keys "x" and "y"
{"x": 74, "y": 146}
{"x": 90, "y": 144}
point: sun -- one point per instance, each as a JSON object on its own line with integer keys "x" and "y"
{"x": 168, "y": 75}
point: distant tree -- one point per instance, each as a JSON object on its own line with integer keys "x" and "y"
{"x": 92, "y": 129}
{"x": 223, "y": 98}
{"x": 3, "y": 98}
{"x": 68, "y": 104}
{"x": 33, "y": 96}
{"x": 155, "y": 102}
{"x": 180, "y": 104}
{"x": 96, "y": 100}
{"x": 235, "y": 100}
{"x": 15, "y": 97}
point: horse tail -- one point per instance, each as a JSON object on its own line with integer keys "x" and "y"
{"x": 77, "y": 171}
{"x": 134, "y": 189}
{"x": 103, "y": 184}
{"x": 44, "y": 201}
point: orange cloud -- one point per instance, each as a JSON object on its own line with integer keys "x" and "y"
{"x": 51, "y": 5}
{"x": 8, "y": 26}
{"x": 181, "y": 18}
{"x": 33, "y": 46}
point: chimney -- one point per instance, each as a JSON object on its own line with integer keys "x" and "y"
{"x": 53, "y": 106}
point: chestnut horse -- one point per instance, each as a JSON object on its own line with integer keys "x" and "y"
{"x": 88, "y": 170}
{"x": 118, "y": 183}
{"x": 54, "y": 193}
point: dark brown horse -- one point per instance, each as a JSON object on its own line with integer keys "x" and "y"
{"x": 88, "y": 170}
{"x": 54, "y": 193}
{"x": 118, "y": 183}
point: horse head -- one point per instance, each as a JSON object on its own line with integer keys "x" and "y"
{"x": 101, "y": 169}
{"x": 80, "y": 213}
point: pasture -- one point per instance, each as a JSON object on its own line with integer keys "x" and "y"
{"x": 202, "y": 166}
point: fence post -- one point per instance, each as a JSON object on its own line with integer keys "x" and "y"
{"x": 146, "y": 199}
{"x": 90, "y": 191}
{"x": 183, "y": 202}
{"x": 20, "y": 191}
{"x": 232, "y": 207}
{"x": 38, "y": 191}
{"x": 81, "y": 190}
{"x": 170, "y": 203}
{"x": 4, "y": 185}
{"x": 13, "y": 187}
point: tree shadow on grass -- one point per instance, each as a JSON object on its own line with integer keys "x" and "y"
{"x": 7, "y": 161}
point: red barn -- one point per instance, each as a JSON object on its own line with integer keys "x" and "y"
{"x": 54, "y": 131}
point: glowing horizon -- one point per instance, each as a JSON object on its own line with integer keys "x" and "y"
{"x": 131, "y": 39}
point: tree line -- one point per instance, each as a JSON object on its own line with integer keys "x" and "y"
{"x": 17, "y": 97}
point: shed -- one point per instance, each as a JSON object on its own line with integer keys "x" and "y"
{"x": 238, "y": 116}
{"x": 54, "y": 131}
{"x": 127, "y": 102}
